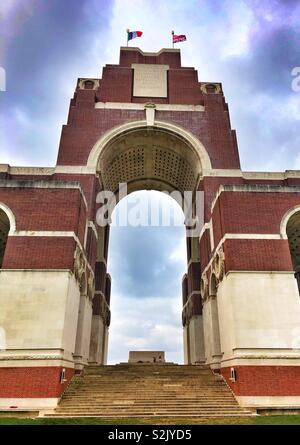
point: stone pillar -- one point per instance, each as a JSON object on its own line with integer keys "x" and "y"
{"x": 100, "y": 323}
{"x": 212, "y": 332}
{"x": 194, "y": 351}
{"x": 186, "y": 345}
{"x": 105, "y": 344}
{"x": 186, "y": 337}
{"x": 215, "y": 329}
{"x": 192, "y": 320}
{"x": 196, "y": 340}
{"x": 82, "y": 345}
{"x": 96, "y": 342}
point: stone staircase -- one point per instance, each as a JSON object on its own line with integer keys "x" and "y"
{"x": 146, "y": 390}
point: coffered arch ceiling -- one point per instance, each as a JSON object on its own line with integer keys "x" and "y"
{"x": 149, "y": 158}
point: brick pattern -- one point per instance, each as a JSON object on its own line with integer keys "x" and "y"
{"x": 100, "y": 276}
{"x": 184, "y": 87}
{"x": 257, "y": 255}
{"x": 205, "y": 249}
{"x": 116, "y": 84}
{"x": 91, "y": 247}
{"x": 264, "y": 380}
{"x": 194, "y": 277}
{"x": 42, "y": 208}
{"x": 165, "y": 58}
{"x": 30, "y": 382}
{"x": 42, "y": 252}
{"x": 88, "y": 183}
{"x": 244, "y": 212}
{"x": 184, "y": 289}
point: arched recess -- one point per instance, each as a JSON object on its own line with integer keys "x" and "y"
{"x": 7, "y": 226}
{"x": 176, "y": 131}
{"x": 290, "y": 229}
{"x": 11, "y": 217}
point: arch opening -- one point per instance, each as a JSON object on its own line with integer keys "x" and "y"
{"x": 146, "y": 263}
{"x": 158, "y": 158}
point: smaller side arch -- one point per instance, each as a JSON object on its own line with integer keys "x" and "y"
{"x": 11, "y": 217}
{"x": 5, "y": 227}
{"x": 285, "y": 220}
{"x": 290, "y": 230}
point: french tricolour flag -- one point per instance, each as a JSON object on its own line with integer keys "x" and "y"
{"x": 134, "y": 34}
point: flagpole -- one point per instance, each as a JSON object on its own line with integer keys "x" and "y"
{"x": 127, "y": 30}
{"x": 172, "y": 39}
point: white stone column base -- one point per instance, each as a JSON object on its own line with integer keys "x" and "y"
{"x": 265, "y": 402}
{"x": 28, "y": 404}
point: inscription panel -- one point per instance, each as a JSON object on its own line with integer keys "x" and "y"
{"x": 150, "y": 80}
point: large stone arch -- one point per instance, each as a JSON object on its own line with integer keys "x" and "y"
{"x": 162, "y": 157}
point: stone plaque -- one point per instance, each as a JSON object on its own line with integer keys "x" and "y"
{"x": 150, "y": 80}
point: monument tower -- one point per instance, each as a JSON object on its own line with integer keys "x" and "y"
{"x": 149, "y": 122}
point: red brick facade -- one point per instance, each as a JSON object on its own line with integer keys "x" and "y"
{"x": 33, "y": 382}
{"x": 264, "y": 380}
{"x": 39, "y": 252}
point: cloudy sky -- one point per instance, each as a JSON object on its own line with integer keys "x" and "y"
{"x": 251, "y": 46}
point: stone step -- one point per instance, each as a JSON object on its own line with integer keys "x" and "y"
{"x": 164, "y": 390}
{"x": 170, "y": 383}
{"x": 164, "y": 406}
{"x": 161, "y": 412}
{"x": 166, "y": 398}
{"x": 150, "y": 414}
{"x": 148, "y": 391}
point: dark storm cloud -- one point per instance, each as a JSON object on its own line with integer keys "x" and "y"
{"x": 47, "y": 46}
{"x": 257, "y": 85}
{"x": 55, "y": 33}
{"x": 267, "y": 67}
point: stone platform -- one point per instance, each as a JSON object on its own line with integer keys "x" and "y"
{"x": 146, "y": 357}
